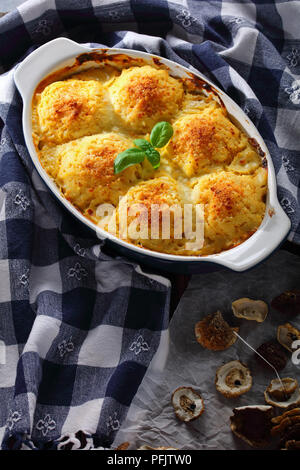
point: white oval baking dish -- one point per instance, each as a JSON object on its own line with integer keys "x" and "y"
{"x": 61, "y": 53}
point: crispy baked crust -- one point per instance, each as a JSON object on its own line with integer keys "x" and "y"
{"x": 212, "y": 161}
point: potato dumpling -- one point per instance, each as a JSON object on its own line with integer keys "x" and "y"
{"x": 71, "y": 109}
{"x": 203, "y": 141}
{"x": 234, "y": 206}
{"x": 144, "y": 223}
{"x": 142, "y": 96}
{"x": 86, "y": 171}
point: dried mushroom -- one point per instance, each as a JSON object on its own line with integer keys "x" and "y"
{"x": 287, "y": 427}
{"x": 292, "y": 412}
{"x": 292, "y": 445}
{"x": 123, "y": 446}
{"x": 187, "y": 403}
{"x": 273, "y": 353}
{"x": 233, "y": 379}
{"x": 283, "y": 394}
{"x": 252, "y": 424}
{"x": 214, "y": 333}
{"x": 288, "y": 302}
{"x": 145, "y": 447}
{"x": 250, "y": 309}
{"x": 282, "y": 389}
{"x": 286, "y": 335}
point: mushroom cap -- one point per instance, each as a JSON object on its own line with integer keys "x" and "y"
{"x": 273, "y": 353}
{"x": 288, "y": 302}
{"x": 187, "y": 403}
{"x": 286, "y": 335}
{"x": 283, "y": 397}
{"x": 233, "y": 379}
{"x": 214, "y": 333}
{"x": 250, "y": 309}
{"x": 282, "y": 389}
{"x": 252, "y": 424}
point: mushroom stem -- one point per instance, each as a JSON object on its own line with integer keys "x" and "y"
{"x": 271, "y": 365}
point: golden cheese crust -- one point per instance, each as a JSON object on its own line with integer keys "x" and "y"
{"x": 81, "y": 123}
{"x": 150, "y": 207}
{"x": 203, "y": 141}
{"x": 142, "y": 96}
{"x": 234, "y": 207}
{"x": 71, "y": 109}
{"x": 86, "y": 171}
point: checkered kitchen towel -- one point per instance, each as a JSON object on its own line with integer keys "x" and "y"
{"x": 79, "y": 326}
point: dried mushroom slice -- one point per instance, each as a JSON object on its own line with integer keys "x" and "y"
{"x": 145, "y": 447}
{"x": 288, "y": 302}
{"x": 292, "y": 412}
{"x": 187, "y": 403}
{"x": 214, "y": 333}
{"x": 286, "y": 335}
{"x": 292, "y": 445}
{"x": 250, "y": 309}
{"x": 290, "y": 433}
{"x": 281, "y": 390}
{"x": 252, "y": 424}
{"x": 286, "y": 400}
{"x": 123, "y": 446}
{"x": 233, "y": 379}
{"x": 273, "y": 353}
{"x": 286, "y": 423}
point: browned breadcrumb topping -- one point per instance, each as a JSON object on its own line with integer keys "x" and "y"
{"x": 70, "y": 107}
{"x": 225, "y": 195}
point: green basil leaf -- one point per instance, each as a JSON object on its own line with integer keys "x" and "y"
{"x": 127, "y": 158}
{"x": 153, "y": 157}
{"x": 161, "y": 134}
{"x": 143, "y": 144}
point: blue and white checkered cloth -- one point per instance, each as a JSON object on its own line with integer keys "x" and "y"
{"x": 78, "y": 326}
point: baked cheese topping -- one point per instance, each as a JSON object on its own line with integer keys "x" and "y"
{"x": 81, "y": 122}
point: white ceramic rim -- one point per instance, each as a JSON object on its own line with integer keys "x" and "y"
{"x": 61, "y": 52}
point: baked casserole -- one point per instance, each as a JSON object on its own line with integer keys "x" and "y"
{"x": 82, "y": 120}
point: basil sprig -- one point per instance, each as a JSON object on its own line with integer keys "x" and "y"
{"x": 159, "y": 137}
{"x": 161, "y": 134}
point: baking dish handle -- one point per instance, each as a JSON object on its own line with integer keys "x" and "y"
{"x": 272, "y": 233}
{"x": 44, "y": 60}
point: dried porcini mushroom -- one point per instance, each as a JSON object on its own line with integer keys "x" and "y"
{"x": 145, "y": 447}
{"x": 273, "y": 353}
{"x": 214, "y": 333}
{"x": 233, "y": 379}
{"x": 187, "y": 403}
{"x": 286, "y": 335}
{"x": 283, "y": 393}
{"x": 287, "y": 423}
{"x": 292, "y": 433}
{"x": 123, "y": 446}
{"x": 292, "y": 445}
{"x": 287, "y": 427}
{"x": 252, "y": 424}
{"x": 282, "y": 389}
{"x": 250, "y": 309}
{"x": 292, "y": 412}
{"x": 288, "y": 302}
